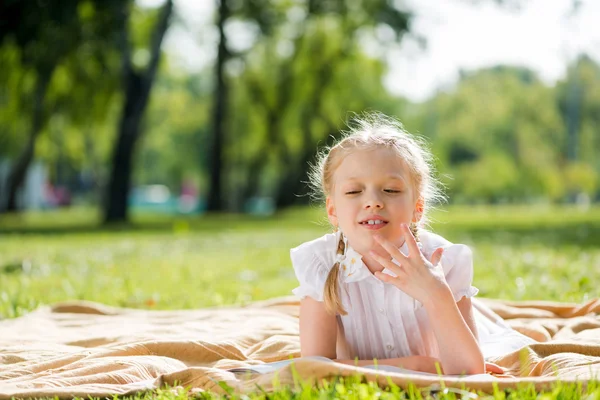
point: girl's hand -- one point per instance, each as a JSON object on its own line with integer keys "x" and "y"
{"x": 415, "y": 276}
{"x": 493, "y": 368}
{"x": 431, "y": 364}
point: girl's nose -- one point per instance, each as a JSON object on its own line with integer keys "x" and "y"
{"x": 373, "y": 203}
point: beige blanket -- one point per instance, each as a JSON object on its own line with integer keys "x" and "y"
{"x": 80, "y": 349}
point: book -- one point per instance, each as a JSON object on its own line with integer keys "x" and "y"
{"x": 277, "y": 365}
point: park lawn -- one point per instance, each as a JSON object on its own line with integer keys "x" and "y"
{"x": 164, "y": 262}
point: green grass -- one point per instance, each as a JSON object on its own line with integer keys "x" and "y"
{"x": 354, "y": 388}
{"x": 162, "y": 262}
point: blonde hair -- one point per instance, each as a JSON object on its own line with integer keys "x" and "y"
{"x": 369, "y": 132}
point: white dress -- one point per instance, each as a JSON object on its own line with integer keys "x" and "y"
{"x": 383, "y": 321}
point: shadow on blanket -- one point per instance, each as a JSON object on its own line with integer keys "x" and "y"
{"x": 81, "y": 348}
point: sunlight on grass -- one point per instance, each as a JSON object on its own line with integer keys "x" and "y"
{"x": 167, "y": 262}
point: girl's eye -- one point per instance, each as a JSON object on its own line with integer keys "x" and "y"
{"x": 353, "y": 192}
{"x": 392, "y": 191}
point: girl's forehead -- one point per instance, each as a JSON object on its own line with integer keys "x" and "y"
{"x": 372, "y": 163}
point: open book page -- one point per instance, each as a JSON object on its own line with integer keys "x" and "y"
{"x": 274, "y": 366}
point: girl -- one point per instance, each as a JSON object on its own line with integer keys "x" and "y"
{"x": 382, "y": 287}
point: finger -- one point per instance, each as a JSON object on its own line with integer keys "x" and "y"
{"x": 496, "y": 369}
{"x": 391, "y": 249}
{"x": 389, "y": 278}
{"x": 437, "y": 256}
{"x": 383, "y": 277}
{"x": 413, "y": 248}
{"x": 386, "y": 263}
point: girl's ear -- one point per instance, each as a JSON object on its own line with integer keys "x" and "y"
{"x": 331, "y": 215}
{"x": 418, "y": 213}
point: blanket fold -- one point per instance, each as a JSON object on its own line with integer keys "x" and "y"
{"x": 83, "y": 348}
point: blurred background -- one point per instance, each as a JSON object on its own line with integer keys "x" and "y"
{"x": 188, "y": 106}
{"x": 153, "y": 153}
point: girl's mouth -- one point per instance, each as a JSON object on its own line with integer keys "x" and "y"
{"x": 373, "y": 224}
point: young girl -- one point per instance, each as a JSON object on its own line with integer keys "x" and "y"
{"x": 382, "y": 287}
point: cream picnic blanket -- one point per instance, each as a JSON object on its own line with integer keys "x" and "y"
{"x": 81, "y": 348}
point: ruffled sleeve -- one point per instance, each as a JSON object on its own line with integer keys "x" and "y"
{"x": 312, "y": 265}
{"x": 457, "y": 262}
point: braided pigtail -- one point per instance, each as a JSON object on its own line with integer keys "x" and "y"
{"x": 331, "y": 292}
{"x": 414, "y": 230}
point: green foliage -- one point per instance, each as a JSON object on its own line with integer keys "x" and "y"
{"x": 500, "y": 134}
{"x": 14, "y": 79}
{"x": 581, "y": 178}
{"x": 293, "y": 94}
{"x": 174, "y": 146}
{"x": 579, "y": 103}
{"x": 71, "y": 43}
{"x": 486, "y": 179}
{"x": 354, "y": 387}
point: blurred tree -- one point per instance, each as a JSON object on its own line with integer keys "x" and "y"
{"x": 37, "y": 37}
{"x": 82, "y": 101}
{"x": 215, "y": 196}
{"x": 299, "y": 50}
{"x": 501, "y": 133}
{"x": 578, "y": 98}
{"x": 137, "y": 82}
{"x": 44, "y": 34}
{"x": 13, "y": 80}
{"x": 178, "y": 124}
{"x": 498, "y": 133}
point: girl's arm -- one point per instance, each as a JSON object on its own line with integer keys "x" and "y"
{"x": 415, "y": 363}
{"x": 457, "y": 342}
{"x": 318, "y": 329}
{"x": 318, "y": 336}
{"x": 424, "y": 280}
{"x": 466, "y": 311}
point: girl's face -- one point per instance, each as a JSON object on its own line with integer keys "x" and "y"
{"x": 372, "y": 194}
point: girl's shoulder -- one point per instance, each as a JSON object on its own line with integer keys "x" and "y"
{"x": 457, "y": 263}
{"x": 319, "y": 251}
{"x": 432, "y": 241}
{"x": 312, "y": 261}
{"x": 454, "y": 253}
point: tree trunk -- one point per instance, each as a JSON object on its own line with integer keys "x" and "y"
{"x": 215, "y": 197}
{"x": 19, "y": 170}
{"x": 120, "y": 176}
{"x": 137, "y": 91}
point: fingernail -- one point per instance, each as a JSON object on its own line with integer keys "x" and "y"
{"x": 377, "y": 237}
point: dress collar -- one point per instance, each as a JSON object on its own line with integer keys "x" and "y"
{"x": 352, "y": 267}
